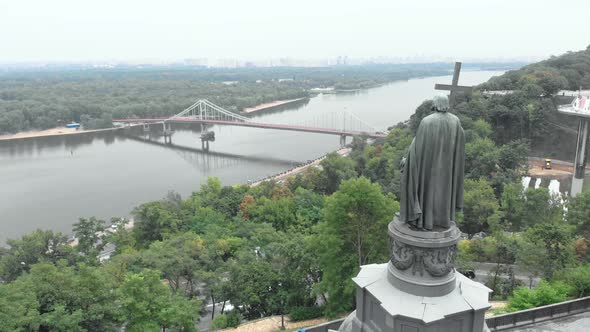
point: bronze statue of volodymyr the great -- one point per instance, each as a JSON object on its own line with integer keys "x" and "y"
{"x": 432, "y": 179}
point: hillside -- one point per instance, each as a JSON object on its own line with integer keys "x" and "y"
{"x": 529, "y": 111}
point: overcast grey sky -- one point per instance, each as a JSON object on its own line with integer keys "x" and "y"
{"x": 81, "y": 30}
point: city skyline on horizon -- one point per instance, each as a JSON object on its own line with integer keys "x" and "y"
{"x": 68, "y": 31}
{"x": 228, "y": 62}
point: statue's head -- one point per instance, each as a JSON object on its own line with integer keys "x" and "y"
{"x": 441, "y": 103}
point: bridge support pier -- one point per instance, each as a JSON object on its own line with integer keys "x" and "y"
{"x": 205, "y": 145}
{"x": 342, "y": 141}
{"x": 206, "y": 137}
{"x": 167, "y": 130}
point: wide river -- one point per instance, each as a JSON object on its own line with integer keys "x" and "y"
{"x": 50, "y": 182}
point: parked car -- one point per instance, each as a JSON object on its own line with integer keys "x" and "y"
{"x": 468, "y": 273}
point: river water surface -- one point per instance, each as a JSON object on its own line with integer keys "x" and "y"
{"x": 50, "y": 182}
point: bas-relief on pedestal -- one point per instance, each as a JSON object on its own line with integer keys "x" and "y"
{"x": 418, "y": 290}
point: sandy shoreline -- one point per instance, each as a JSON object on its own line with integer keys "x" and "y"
{"x": 270, "y": 105}
{"x": 50, "y": 132}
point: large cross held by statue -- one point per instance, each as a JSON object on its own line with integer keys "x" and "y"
{"x": 454, "y": 87}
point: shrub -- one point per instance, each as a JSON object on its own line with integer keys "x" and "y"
{"x": 231, "y": 319}
{"x": 219, "y": 322}
{"x": 465, "y": 256}
{"x": 234, "y": 318}
{"x": 305, "y": 313}
{"x": 578, "y": 279}
{"x": 545, "y": 293}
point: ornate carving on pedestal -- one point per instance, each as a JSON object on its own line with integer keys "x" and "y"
{"x": 402, "y": 256}
{"x": 437, "y": 262}
{"x": 422, "y": 262}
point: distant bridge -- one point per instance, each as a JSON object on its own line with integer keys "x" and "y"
{"x": 204, "y": 112}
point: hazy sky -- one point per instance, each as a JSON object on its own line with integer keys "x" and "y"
{"x": 80, "y": 30}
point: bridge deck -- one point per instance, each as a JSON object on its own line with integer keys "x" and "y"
{"x": 329, "y": 131}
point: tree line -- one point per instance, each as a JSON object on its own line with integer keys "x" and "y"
{"x": 93, "y": 97}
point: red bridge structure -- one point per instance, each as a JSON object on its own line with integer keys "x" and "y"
{"x": 204, "y": 112}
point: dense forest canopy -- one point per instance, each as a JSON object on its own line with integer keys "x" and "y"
{"x": 39, "y": 99}
{"x": 569, "y": 71}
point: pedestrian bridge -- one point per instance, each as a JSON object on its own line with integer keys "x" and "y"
{"x": 204, "y": 112}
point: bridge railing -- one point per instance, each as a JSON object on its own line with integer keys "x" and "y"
{"x": 534, "y": 315}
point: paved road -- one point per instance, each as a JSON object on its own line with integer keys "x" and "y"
{"x": 485, "y": 270}
{"x": 205, "y": 322}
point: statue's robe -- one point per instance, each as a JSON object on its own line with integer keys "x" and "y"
{"x": 432, "y": 180}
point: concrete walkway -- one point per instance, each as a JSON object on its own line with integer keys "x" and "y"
{"x": 574, "y": 323}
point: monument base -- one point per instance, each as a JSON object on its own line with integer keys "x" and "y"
{"x": 418, "y": 290}
{"x": 383, "y": 307}
{"x": 422, "y": 262}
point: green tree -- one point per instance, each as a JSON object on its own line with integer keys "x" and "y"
{"x": 513, "y": 157}
{"x": 298, "y": 270}
{"x": 87, "y": 232}
{"x": 532, "y": 90}
{"x": 66, "y": 298}
{"x": 532, "y": 258}
{"x": 39, "y": 246}
{"x": 555, "y": 238}
{"x": 153, "y": 221}
{"x": 481, "y": 158}
{"x": 204, "y": 218}
{"x": 480, "y": 207}
{"x": 18, "y": 308}
{"x": 512, "y": 204}
{"x": 147, "y": 305}
{"x": 482, "y": 128}
{"x": 352, "y": 235}
{"x": 334, "y": 170}
{"x": 308, "y": 207}
{"x": 524, "y": 208}
{"x": 578, "y": 213}
{"x": 540, "y": 206}
{"x": 213, "y": 195}
{"x": 280, "y": 213}
{"x": 254, "y": 284}
{"x": 550, "y": 81}
{"x": 180, "y": 259}
{"x": 121, "y": 237}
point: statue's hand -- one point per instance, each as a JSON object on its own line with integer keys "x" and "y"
{"x": 402, "y": 163}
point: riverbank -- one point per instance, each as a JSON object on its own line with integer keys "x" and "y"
{"x": 44, "y": 184}
{"x": 344, "y": 152}
{"x": 59, "y": 131}
{"x": 272, "y": 104}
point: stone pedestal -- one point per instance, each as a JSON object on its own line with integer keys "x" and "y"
{"x": 418, "y": 290}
